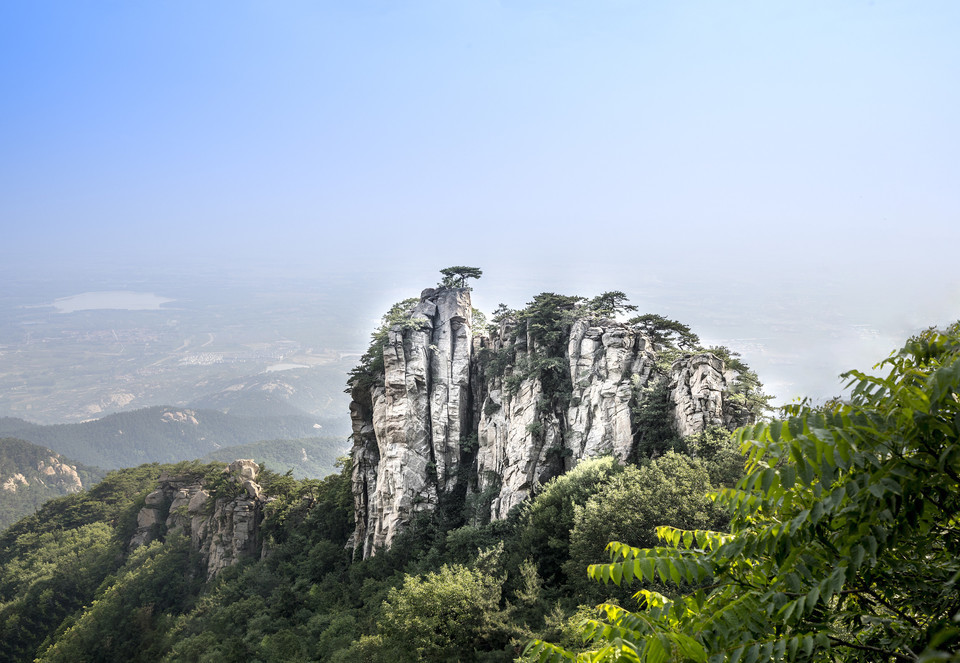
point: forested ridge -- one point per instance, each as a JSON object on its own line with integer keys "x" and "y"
{"x": 827, "y": 534}
{"x": 157, "y": 434}
{"x": 31, "y": 474}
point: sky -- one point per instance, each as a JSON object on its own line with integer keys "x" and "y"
{"x": 783, "y": 176}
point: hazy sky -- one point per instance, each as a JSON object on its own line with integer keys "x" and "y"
{"x": 785, "y": 176}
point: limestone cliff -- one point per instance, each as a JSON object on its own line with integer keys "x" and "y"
{"x": 486, "y": 420}
{"x": 223, "y": 529}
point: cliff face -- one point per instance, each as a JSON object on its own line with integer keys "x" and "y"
{"x": 407, "y": 432}
{"x": 223, "y": 530}
{"x": 523, "y": 444}
{"x": 444, "y": 405}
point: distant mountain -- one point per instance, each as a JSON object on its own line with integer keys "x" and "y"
{"x": 307, "y": 458}
{"x": 316, "y": 391}
{"x": 163, "y": 434}
{"x": 31, "y": 474}
{"x": 11, "y": 424}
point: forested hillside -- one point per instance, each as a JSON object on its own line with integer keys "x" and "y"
{"x": 305, "y": 458}
{"x": 497, "y": 585}
{"x": 161, "y": 434}
{"x": 838, "y": 544}
{"x": 30, "y": 475}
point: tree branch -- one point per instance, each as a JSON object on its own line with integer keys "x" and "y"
{"x": 878, "y": 650}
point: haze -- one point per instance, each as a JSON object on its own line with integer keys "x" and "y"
{"x": 782, "y": 176}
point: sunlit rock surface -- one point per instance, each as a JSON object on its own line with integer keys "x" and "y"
{"x": 223, "y": 529}
{"x": 438, "y": 425}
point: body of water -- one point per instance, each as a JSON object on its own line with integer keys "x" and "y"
{"x": 124, "y": 300}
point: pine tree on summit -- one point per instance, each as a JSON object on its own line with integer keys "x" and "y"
{"x": 456, "y": 277}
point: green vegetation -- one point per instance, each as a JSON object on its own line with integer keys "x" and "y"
{"x": 838, "y": 544}
{"x": 161, "y": 434}
{"x": 843, "y": 541}
{"x": 456, "y": 277}
{"x": 24, "y": 486}
{"x": 308, "y": 457}
{"x": 833, "y": 537}
{"x": 369, "y": 370}
{"x": 610, "y": 304}
{"x": 473, "y": 593}
{"x": 664, "y": 331}
{"x": 53, "y": 563}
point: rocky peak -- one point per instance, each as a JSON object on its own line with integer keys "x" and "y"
{"x": 491, "y": 418}
{"x": 224, "y": 529}
{"x": 408, "y": 429}
{"x": 51, "y": 472}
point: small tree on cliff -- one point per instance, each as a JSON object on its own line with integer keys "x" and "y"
{"x": 610, "y": 304}
{"x": 456, "y": 277}
{"x": 665, "y": 331}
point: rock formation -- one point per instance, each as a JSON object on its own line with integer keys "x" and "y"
{"x": 442, "y": 422}
{"x": 222, "y": 529}
{"x": 51, "y": 471}
{"x": 407, "y": 432}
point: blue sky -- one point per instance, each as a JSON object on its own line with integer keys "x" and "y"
{"x": 782, "y": 175}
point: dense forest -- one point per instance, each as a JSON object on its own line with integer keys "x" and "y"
{"x": 826, "y": 534}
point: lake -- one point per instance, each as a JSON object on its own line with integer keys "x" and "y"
{"x": 125, "y": 300}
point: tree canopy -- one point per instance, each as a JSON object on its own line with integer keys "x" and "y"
{"x": 843, "y": 543}
{"x": 610, "y": 304}
{"x": 456, "y": 277}
{"x": 665, "y": 331}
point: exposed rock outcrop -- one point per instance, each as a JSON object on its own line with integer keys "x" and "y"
{"x": 51, "y": 472}
{"x": 222, "y": 529}
{"x": 606, "y": 364}
{"x": 407, "y": 432}
{"x": 697, "y": 386}
{"x": 442, "y": 405}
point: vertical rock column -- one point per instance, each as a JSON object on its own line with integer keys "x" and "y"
{"x": 450, "y": 382}
{"x": 416, "y": 418}
{"x": 515, "y": 437}
{"x": 604, "y": 362}
{"x": 696, "y": 391}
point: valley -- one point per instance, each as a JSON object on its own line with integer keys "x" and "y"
{"x": 74, "y": 358}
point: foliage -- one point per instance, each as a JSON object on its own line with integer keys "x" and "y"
{"x": 548, "y": 520}
{"x": 719, "y": 450}
{"x": 609, "y": 304}
{"x": 370, "y": 367}
{"x": 441, "y": 615}
{"x": 548, "y": 318}
{"x": 843, "y": 545}
{"x": 546, "y": 323}
{"x": 652, "y": 418}
{"x": 24, "y": 459}
{"x": 136, "y": 608}
{"x": 52, "y": 562}
{"x": 670, "y": 490}
{"x": 664, "y": 331}
{"x": 456, "y": 277}
{"x": 437, "y": 594}
{"x": 478, "y": 322}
